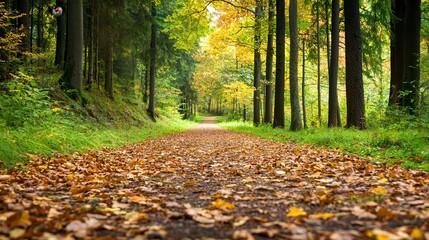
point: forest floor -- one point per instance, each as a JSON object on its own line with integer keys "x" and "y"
{"x": 209, "y": 183}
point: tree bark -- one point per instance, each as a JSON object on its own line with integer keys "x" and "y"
{"x": 319, "y": 90}
{"x": 72, "y": 78}
{"x": 268, "y": 109}
{"x": 61, "y": 36}
{"x": 410, "y": 96}
{"x": 279, "y": 114}
{"x": 257, "y": 68}
{"x": 397, "y": 44}
{"x": 296, "y": 123}
{"x": 333, "y": 72}
{"x": 108, "y": 69}
{"x": 152, "y": 70}
{"x": 24, "y": 22}
{"x": 304, "y": 112}
{"x": 354, "y": 81}
{"x": 91, "y": 46}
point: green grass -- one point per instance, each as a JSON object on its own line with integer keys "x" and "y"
{"x": 409, "y": 148}
{"x": 66, "y": 137}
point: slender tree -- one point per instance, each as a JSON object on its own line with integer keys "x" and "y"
{"x": 354, "y": 81}
{"x": 319, "y": 89}
{"x": 333, "y": 111}
{"x": 397, "y": 45}
{"x": 296, "y": 123}
{"x": 24, "y": 22}
{"x": 268, "y": 113}
{"x": 72, "y": 77}
{"x": 304, "y": 111}
{"x": 61, "y": 36}
{"x": 257, "y": 69}
{"x": 152, "y": 69}
{"x": 279, "y": 114}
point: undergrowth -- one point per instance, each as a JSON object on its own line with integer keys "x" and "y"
{"x": 404, "y": 146}
{"x": 39, "y": 118}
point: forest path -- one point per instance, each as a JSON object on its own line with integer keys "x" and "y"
{"x": 209, "y": 183}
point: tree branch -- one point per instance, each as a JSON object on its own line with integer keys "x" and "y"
{"x": 232, "y": 4}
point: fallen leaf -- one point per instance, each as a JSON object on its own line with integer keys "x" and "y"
{"x": 222, "y": 205}
{"x": 296, "y": 212}
{"x": 16, "y": 233}
{"x": 379, "y": 190}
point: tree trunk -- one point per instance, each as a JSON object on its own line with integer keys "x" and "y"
{"x": 397, "y": 45}
{"x": 304, "y": 112}
{"x": 72, "y": 78}
{"x": 410, "y": 98}
{"x": 333, "y": 72}
{"x": 268, "y": 109}
{"x": 328, "y": 50}
{"x": 24, "y": 22}
{"x": 319, "y": 90}
{"x": 40, "y": 31}
{"x": 91, "y": 46}
{"x": 296, "y": 123}
{"x": 257, "y": 65}
{"x": 61, "y": 36}
{"x": 354, "y": 81}
{"x": 152, "y": 71}
{"x": 108, "y": 69}
{"x": 279, "y": 115}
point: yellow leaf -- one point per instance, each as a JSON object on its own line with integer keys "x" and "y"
{"x": 16, "y": 233}
{"x": 221, "y": 204}
{"x": 379, "y": 190}
{"x": 417, "y": 234}
{"x": 296, "y": 212}
{"x": 324, "y": 215}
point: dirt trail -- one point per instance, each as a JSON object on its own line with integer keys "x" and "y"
{"x": 209, "y": 183}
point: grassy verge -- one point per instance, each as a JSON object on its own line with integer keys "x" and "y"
{"x": 410, "y": 148}
{"x": 66, "y": 136}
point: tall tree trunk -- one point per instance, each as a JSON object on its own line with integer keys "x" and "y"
{"x": 257, "y": 65}
{"x": 152, "y": 71}
{"x": 319, "y": 90}
{"x": 268, "y": 109}
{"x": 40, "y": 31}
{"x": 397, "y": 45}
{"x": 410, "y": 98}
{"x": 333, "y": 71}
{"x": 72, "y": 78}
{"x": 304, "y": 112}
{"x": 108, "y": 69}
{"x": 354, "y": 81}
{"x": 24, "y": 22}
{"x": 61, "y": 36}
{"x": 296, "y": 123}
{"x": 97, "y": 44}
{"x": 328, "y": 50}
{"x": 146, "y": 85}
{"x": 91, "y": 46}
{"x": 279, "y": 100}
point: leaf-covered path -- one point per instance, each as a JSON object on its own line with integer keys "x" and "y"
{"x": 211, "y": 183}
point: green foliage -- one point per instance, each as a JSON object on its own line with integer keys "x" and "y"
{"x": 24, "y": 102}
{"x": 10, "y": 40}
{"x": 407, "y": 147}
